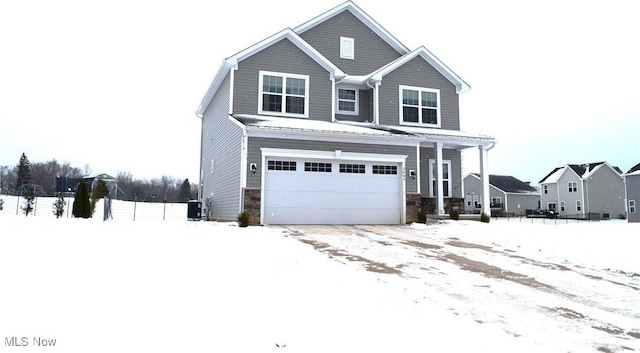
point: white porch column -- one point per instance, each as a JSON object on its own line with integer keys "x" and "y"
{"x": 439, "y": 189}
{"x": 484, "y": 179}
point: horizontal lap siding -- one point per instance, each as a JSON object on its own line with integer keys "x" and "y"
{"x": 255, "y": 154}
{"x": 282, "y": 57}
{"x": 606, "y": 192}
{"x": 418, "y": 73}
{"x": 633, "y": 193}
{"x": 221, "y": 142}
{"x": 371, "y": 52}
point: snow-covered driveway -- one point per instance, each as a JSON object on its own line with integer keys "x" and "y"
{"x": 546, "y": 287}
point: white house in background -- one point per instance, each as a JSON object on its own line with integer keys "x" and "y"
{"x": 506, "y": 193}
{"x": 333, "y": 122}
{"x": 583, "y": 189}
{"x": 632, "y": 193}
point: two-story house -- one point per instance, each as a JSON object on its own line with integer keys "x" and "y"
{"x": 333, "y": 122}
{"x": 583, "y": 189}
{"x": 506, "y": 194}
{"x": 632, "y": 192}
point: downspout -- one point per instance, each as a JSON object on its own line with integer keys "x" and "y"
{"x": 375, "y": 118}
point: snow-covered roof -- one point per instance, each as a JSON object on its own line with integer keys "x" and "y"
{"x": 583, "y": 171}
{"x": 266, "y": 123}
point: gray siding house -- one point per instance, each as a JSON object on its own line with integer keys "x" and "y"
{"x": 632, "y": 193}
{"x": 333, "y": 122}
{"x": 583, "y": 189}
{"x": 506, "y": 193}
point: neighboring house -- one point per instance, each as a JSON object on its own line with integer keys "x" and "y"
{"x": 506, "y": 193}
{"x": 332, "y": 122}
{"x": 583, "y": 189}
{"x": 632, "y": 192}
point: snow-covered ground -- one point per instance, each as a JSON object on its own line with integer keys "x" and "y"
{"x": 175, "y": 285}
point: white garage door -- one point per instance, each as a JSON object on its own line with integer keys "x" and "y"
{"x": 317, "y": 191}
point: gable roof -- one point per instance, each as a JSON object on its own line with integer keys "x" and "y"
{"x": 425, "y": 54}
{"x": 583, "y": 171}
{"x": 362, "y": 16}
{"x": 509, "y": 184}
{"x": 635, "y": 170}
{"x": 232, "y": 62}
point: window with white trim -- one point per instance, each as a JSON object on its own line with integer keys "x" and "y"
{"x": 573, "y": 186}
{"x": 347, "y": 101}
{"x": 347, "y": 48}
{"x": 419, "y": 106}
{"x": 545, "y": 189}
{"x": 496, "y": 201}
{"x": 476, "y": 201}
{"x": 446, "y": 177}
{"x": 632, "y": 206}
{"x": 578, "y": 205}
{"x": 283, "y": 94}
{"x": 551, "y": 206}
{"x": 468, "y": 200}
{"x": 561, "y": 206}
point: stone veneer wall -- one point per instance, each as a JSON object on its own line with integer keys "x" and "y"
{"x": 252, "y": 205}
{"x": 429, "y": 204}
{"x": 414, "y": 205}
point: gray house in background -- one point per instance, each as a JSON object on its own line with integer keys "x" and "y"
{"x": 506, "y": 193}
{"x": 584, "y": 190}
{"x": 632, "y": 192}
{"x": 333, "y": 122}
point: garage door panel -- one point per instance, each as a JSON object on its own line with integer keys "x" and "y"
{"x": 333, "y": 216}
{"x": 305, "y": 197}
{"x": 310, "y": 199}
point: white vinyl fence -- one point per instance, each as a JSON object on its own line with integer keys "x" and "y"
{"x": 120, "y": 210}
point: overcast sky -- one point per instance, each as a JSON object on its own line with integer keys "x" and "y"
{"x": 115, "y": 85}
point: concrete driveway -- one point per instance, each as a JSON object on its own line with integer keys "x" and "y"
{"x": 488, "y": 283}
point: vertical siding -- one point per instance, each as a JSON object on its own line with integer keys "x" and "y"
{"x": 605, "y": 192}
{"x": 371, "y": 52}
{"x": 456, "y": 170}
{"x": 221, "y": 142}
{"x": 282, "y": 57}
{"x": 254, "y": 154}
{"x": 633, "y": 193}
{"x": 419, "y": 73}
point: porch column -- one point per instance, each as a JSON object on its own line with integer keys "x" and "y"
{"x": 439, "y": 189}
{"x": 484, "y": 179}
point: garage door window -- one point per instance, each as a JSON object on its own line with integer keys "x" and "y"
{"x": 352, "y": 168}
{"x": 281, "y": 165}
{"x": 385, "y": 169}
{"x": 317, "y": 167}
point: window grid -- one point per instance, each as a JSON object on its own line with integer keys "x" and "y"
{"x": 281, "y": 165}
{"x": 285, "y": 94}
{"x": 352, "y": 168}
{"x": 562, "y": 206}
{"x": 632, "y": 206}
{"x": 573, "y": 186}
{"x": 317, "y": 167}
{"x": 578, "y": 205}
{"x": 545, "y": 188}
{"x": 385, "y": 169}
{"x": 420, "y": 105}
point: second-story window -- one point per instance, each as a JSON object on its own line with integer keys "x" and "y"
{"x": 283, "y": 94}
{"x": 419, "y": 106}
{"x": 347, "y": 101}
{"x": 573, "y": 186}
